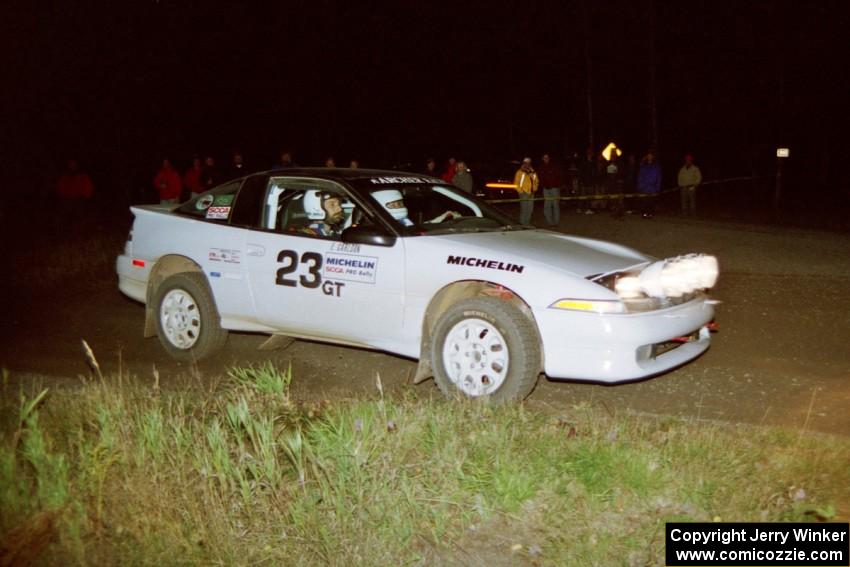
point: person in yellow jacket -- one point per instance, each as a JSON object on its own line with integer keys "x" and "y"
{"x": 526, "y": 185}
{"x": 689, "y": 179}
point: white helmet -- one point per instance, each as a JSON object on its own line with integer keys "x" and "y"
{"x": 393, "y": 201}
{"x": 313, "y": 201}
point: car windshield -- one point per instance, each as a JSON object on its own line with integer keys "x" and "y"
{"x": 436, "y": 209}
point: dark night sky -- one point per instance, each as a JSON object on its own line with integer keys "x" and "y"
{"x": 121, "y": 84}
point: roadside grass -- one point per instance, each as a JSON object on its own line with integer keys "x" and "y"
{"x": 119, "y": 472}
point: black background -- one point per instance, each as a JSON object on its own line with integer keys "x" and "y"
{"x": 120, "y": 85}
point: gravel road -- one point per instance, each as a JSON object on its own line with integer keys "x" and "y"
{"x": 782, "y": 355}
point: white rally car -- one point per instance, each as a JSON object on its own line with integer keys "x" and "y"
{"x": 413, "y": 266}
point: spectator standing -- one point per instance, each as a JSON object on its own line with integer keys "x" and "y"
{"x": 463, "y": 178}
{"x": 75, "y": 191}
{"x": 285, "y": 161}
{"x": 600, "y": 180}
{"x": 526, "y": 182}
{"x": 451, "y": 169}
{"x": 192, "y": 178}
{"x": 649, "y": 183}
{"x": 586, "y": 178}
{"x": 630, "y": 171}
{"x": 74, "y": 185}
{"x": 167, "y": 183}
{"x": 613, "y": 184}
{"x": 237, "y": 166}
{"x": 210, "y": 176}
{"x": 354, "y": 164}
{"x": 689, "y": 179}
{"x": 431, "y": 168}
{"x": 551, "y": 180}
{"x": 330, "y": 162}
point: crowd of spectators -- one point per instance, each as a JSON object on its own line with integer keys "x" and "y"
{"x": 596, "y": 182}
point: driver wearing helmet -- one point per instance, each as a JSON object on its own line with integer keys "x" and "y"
{"x": 325, "y": 210}
{"x": 393, "y": 201}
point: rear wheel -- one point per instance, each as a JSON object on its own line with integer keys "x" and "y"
{"x": 187, "y": 320}
{"x": 485, "y": 347}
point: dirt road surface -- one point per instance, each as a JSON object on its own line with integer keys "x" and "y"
{"x": 782, "y": 355}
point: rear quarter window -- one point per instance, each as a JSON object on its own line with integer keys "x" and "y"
{"x": 215, "y": 205}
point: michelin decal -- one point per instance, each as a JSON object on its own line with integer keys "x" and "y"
{"x": 361, "y": 269}
{"x": 484, "y": 263}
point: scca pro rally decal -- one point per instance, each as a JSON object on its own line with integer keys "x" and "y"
{"x": 218, "y": 213}
{"x": 311, "y": 276}
{"x": 362, "y": 269}
{"x": 484, "y": 263}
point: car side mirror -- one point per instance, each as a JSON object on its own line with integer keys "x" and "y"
{"x": 367, "y": 235}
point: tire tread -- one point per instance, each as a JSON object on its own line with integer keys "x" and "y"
{"x": 519, "y": 384}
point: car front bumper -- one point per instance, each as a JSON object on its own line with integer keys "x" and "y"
{"x": 622, "y": 347}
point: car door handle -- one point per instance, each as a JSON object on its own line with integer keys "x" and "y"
{"x": 256, "y": 250}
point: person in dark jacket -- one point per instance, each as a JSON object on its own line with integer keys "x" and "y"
{"x": 649, "y": 183}
{"x": 462, "y": 177}
{"x": 237, "y": 166}
{"x": 285, "y": 161}
{"x": 587, "y": 178}
{"x": 551, "y": 180}
{"x": 431, "y": 168}
{"x": 210, "y": 176}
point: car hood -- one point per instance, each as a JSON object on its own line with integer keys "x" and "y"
{"x": 578, "y": 256}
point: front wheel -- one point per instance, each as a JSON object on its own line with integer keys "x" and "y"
{"x": 485, "y": 347}
{"x": 187, "y": 320}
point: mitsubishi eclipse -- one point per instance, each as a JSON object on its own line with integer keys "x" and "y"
{"x": 410, "y": 265}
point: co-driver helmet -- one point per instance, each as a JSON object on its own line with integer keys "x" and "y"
{"x": 393, "y": 201}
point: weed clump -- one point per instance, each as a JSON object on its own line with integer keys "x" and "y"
{"x": 129, "y": 474}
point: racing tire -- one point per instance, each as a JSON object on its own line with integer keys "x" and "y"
{"x": 187, "y": 321}
{"x": 484, "y": 347}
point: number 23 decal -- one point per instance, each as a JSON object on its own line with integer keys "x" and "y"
{"x": 312, "y": 279}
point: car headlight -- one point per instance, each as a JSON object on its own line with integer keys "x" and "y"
{"x": 649, "y": 286}
{"x": 628, "y": 287}
{"x": 590, "y": 305}
{"x": 675, "y": 277}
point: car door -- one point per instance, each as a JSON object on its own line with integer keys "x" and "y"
{"x": 208, "y": 238}
{"x": 316, "y": 286}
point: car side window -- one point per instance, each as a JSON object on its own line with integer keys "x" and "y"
{"x": 249, "y": 203}
{"x": 307, "y": 208}
{"x": 214, "y": 205}
{"x": 424, "y": 204}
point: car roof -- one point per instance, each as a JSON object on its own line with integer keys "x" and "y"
{"x": 344, "y": 173}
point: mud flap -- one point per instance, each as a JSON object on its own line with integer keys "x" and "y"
{"x": 276, "y": 342}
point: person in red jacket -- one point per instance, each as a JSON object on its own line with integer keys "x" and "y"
{"x": 72, "y": 209}
{"x": 192, "y": 178}
{"x": 451, "y": 169}
{"x": 167, "y": 182}
{"x": 74, "y": 184}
